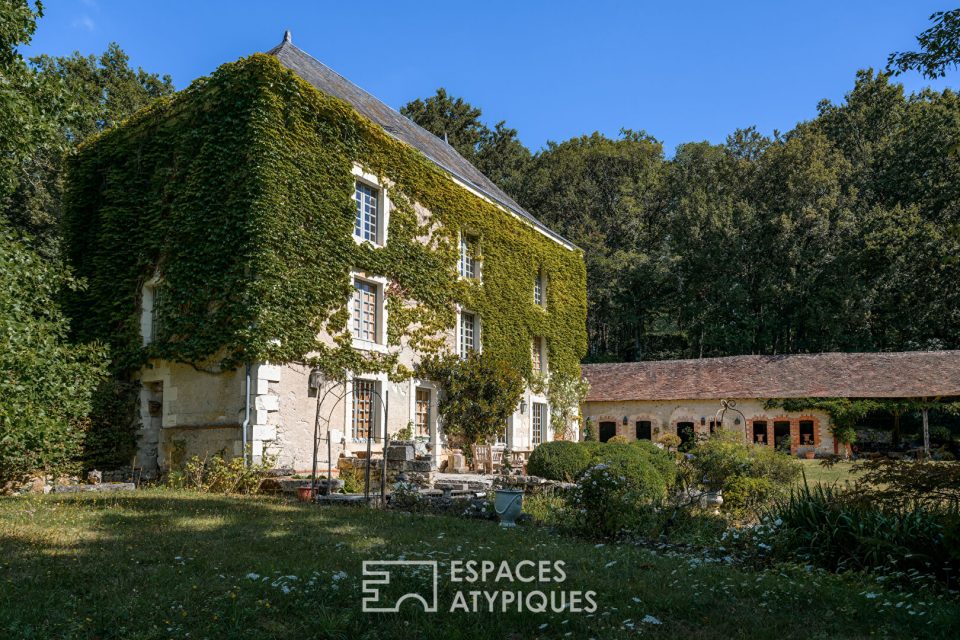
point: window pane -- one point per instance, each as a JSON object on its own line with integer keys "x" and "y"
{"x": 467, "y": 264}
{"x": 537, "y": 355}
{"x": 538, "y": 289}
{"x": 467, "y": 333}
{"x": 422, "y": 412}
{"x": 363, "y": 408}
{"x": 538, "y": 415}
{"x": 367, "y": 222}
{"x": 365, "y": 311}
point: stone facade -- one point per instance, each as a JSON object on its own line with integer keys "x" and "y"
{"x": 764, "y": 426}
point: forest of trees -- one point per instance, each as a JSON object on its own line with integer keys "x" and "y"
{"x": 842, "y": 234}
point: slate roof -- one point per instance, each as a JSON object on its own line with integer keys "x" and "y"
{"x": 912, "y": 374}
{"x": 400, "y": 127}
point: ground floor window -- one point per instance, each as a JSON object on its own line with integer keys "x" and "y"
{"x": 607, "y": 430}
{"x": 781, "y": 435}
{"x": 422, "y": 412}
{"x": 759, "y": 432}
{"x": 539, "y": 417}
{"x": 363, "y": 408}
{"x": 644, "y": 430}
{"x": 687, "y": 434}
{"x": 806, "y": 432}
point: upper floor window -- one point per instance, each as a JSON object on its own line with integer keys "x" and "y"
{"x": 469, "y": 331}
{"x": 539, "y": 289}
{"x": 150, "y": 304}
{"x": 468, "y": 266}
{"x": 366, "y": 311}
{"x": 368, "y": 221}
{"x": 539, "y": 356}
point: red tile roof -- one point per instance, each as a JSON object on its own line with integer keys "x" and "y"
{"x": 912, "y": 374}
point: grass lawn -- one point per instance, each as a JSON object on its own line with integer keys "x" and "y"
{"x": 160, "y": 564}
{"x": 837, "y": 473}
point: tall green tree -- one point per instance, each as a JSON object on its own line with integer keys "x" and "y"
{"x": 939, "y": 48}
{"x": 79, "y": 96}
{"x": 497, "y": 152}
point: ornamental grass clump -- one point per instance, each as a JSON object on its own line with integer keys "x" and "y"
{"x": 834, "y": 528}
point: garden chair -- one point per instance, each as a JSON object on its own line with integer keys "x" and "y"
{"x": 482, "y": 458}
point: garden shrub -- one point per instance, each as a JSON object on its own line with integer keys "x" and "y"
{"x": 215, "y": 474}
{"x": 46, "y": 382}
{"x": 748, "y": 474}
{"x": 663, "y": 460}
{"x": 607, "y": 503}
{"x": 833, "y": 528}
{"x": 618, "y": 440}
{"x": 635, "y": 467}
{"x": 560, "y": 460}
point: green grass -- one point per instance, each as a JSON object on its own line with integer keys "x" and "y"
{"x": 816, "y": 473}
{"x": 159, "y": 564}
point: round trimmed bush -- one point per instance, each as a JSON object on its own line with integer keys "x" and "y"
{"x": 662, "y": 459}
{"x": 618, "y": 440}
{"x": 559, "y": 460}
{"x": 633, "y": 464}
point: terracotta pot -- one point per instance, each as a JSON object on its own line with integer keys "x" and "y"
{"x": 304, "y": 494}
{"x": 809, "y": 455}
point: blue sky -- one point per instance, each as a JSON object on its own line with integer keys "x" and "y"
{"x": 682, "y": 71}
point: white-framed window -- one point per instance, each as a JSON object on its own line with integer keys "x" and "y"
{"x": 150, "y": 303}
{"x": 540, "y": 289}
{"x": 469, "y": 333}
{"x": 468, "y": 266}
{"x": 372, "y": 208}
{"x": 368, "y": 313}
{"x": 538, "y": 348}
{"x": 538, "y": 422}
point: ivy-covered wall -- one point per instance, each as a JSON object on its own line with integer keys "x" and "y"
{"x": 238, "y": 192}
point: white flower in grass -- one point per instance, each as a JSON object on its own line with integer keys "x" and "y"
{"x": 648, "y": 619}
{"x": 543, "y": 626}
{"x": 253, "y": 576}
{"x": 339, "y": 575}
{"x": 871, "y": 596}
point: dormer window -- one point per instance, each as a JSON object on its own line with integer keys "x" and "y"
{"x": 372, "y": 204}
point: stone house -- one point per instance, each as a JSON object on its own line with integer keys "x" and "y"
{"x": 645, "y": 400}
{"x": 330, "y": 233}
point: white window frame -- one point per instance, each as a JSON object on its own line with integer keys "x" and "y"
{"x": 544, "y": 422}
{"x": 477, "y": 332}
{"x": 379, "y": 410}
{"x": 541, "y": 342}
{"x": 540, "y": 282}
{"x": 472, "y": 242}
{"x": 148, "y": 318}
{"x": 383, "y": 207}
{"x": 380, "y": 344}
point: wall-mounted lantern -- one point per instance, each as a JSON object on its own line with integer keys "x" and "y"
{"x": 523, "y": 406}
{"x": 626, "y": 420}
{"x": 703, "y": 421}
{"x": 316, "y": 379}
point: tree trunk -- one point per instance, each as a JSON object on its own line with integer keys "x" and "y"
{"x": 896, "y": 428}
{"x": 926, "y": 434}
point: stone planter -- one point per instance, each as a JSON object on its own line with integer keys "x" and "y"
{"x": 809, "y": 455}
{"x": 304, "y": 494}
{"x": 508, "y": 504}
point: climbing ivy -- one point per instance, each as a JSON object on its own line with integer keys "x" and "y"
{"x": 237, "y": 194}
{"x": 846, "y": 412}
